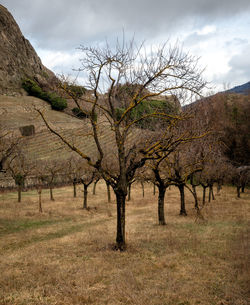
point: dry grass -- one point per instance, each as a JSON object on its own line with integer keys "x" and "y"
{"x": 65, "y": 256}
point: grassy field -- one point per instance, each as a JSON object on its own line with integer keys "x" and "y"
{"x": 64, "y": 255}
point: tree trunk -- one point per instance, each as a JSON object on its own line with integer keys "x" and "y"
{"x": 196, "y": 205}
{"x": 40, "y": 200}
{"x": 204, "y": 195}
{"x": 211, "y": 193}
{"x": 85, "y": 196}
{"x": 182, "y": 194}
{"x": 108, "y": 191}
{"x": 19, "y": 190}
{"x": 94, "y": 187}
{"x": 129, "y": 192}
{"x": 120, "y": 233}
{"x": 142, "y": 186}
{"x": 161, "y": 197}
{"x": 74, "y": 188}
{"x": 238, "y": 191}
{"x": 51, "y": 193}
{"x": 154, "y": 189}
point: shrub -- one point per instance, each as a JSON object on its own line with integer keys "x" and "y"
{"x": 33, "y": 89}
{"x": 76, "y": 91}
{"x": 79, "y": 113}
{"x": 57, "y": 103}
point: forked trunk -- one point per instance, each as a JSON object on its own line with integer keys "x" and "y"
{"x": 182, "y": 195}
{"x": 211, "y": 193}
{"x": 120, "y": 233}
{"x": 85, "y": 196}
{"x": 161, "y": 197}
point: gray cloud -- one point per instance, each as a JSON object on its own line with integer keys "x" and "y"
{"x": 195, "y": 38}
{"x": 239, "y": 71}
{"x": 57, "y": 27}
{"x": 61, "y": 24}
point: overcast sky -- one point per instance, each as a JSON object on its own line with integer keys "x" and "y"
{"x": 218, "y": 31}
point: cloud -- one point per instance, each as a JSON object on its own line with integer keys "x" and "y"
{"x": 238, "y": 72}
{"x": 205, "y": 34}
{"x": 216, "y": 31}
{"x": 62, "y": 24}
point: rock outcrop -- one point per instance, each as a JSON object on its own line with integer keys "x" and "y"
{"x": 18, "y": 59}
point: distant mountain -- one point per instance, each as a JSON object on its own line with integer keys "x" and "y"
{"x": 18, "y": 59}
{"x": 242, "y": 89}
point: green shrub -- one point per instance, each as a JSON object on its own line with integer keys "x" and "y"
{"x": 79, "y": 113}
{"x": 76, "y": 91}
{"x": 33, "y": 89}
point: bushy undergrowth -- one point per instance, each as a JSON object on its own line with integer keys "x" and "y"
{"x": 33, "y": 89}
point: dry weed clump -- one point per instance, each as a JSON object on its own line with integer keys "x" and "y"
{"x": 65, "y": 256}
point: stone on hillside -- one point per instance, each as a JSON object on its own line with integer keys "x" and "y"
{"x": 18, "y": 59}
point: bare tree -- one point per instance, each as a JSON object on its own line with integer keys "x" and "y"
{"x": 8, "y": 145}
{"x": 52, "y": 168}
{"x": 73, "y": 171}
{"x": 88, "y": 175}
{"x": 19, "y": 168}
{"x": 240, "y": 178}
{"x": 40, "y": 173}
{"x": 129, "y": 89}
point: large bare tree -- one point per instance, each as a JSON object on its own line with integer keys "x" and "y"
{"x": 131, "y": 87}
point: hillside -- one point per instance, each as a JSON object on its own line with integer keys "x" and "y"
{"x": 17, "y": 57}
{"x": 228, "y": 115}
{"x": 242, "y": 89}
{"x": 16, "y": 112}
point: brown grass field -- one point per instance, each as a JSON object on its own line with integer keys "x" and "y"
{"x": 64, "y": 255}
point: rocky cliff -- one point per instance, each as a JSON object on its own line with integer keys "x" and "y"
{"x": 18, "y": 58}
